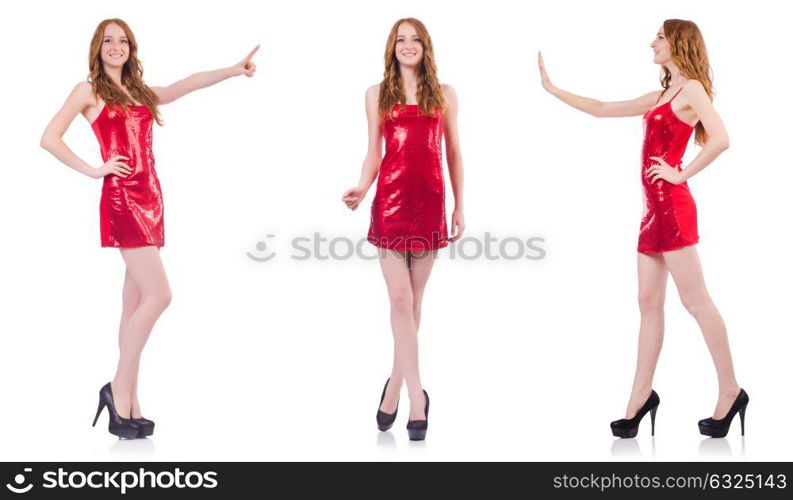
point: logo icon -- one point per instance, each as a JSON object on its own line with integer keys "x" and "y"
{"x": 261, "y": 246}
{"x": 19, "y": 479}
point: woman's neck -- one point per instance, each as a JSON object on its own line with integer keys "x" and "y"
{"x": 114, "y": 74}
{"x": 409, "y": 77}
{"x": 675, "y": 78}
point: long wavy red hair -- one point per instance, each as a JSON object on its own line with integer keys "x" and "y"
{"x": 131, "y": 74}
{"x": 689, "y": 54}
{"x": 429, "y": 92}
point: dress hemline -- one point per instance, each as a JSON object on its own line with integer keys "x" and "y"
{"x": 676, "y": 247}
{"x": 440, "y": 245}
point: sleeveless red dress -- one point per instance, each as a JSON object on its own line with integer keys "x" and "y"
{"x": 131, "y": 209}
{"x": 409, "y": 208}
{"x": 669, "y": 218}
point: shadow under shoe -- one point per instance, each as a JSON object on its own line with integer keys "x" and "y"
{"x": 117, "y": 425}
{"x": 386, "y": 420}
{"x": 719, "y": 428}
{"x": 417, "y": 429}
{"x": 629, "y": 427}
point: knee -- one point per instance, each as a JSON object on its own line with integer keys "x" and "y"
{"x": 651, "y": 302}
{"x": 160, "y": 299}
{"x": 165, "y": 298}
{"x": 401, "y": 301}
{"x": 696, "y": 305}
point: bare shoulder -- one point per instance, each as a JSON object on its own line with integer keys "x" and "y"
{"x": 84, "y": 91}
{"x": 83, "y": 87}
{"x": 82, "y": 97}
{"x": 448, "y": 91}
{"x": 373, "y": 103}
{"x": 373, "y": 92}
{"x": 694, "y": 88}
{"x": 450, "y": 96}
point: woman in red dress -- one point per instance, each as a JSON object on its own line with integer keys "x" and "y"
{"x": 411, "y": 112}
{"x": 668, "y": 231}
{"x": 121, "y": 109}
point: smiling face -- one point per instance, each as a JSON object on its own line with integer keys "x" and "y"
{"x": 408, "y": 48}
{"x": 115, "y": 46}
{"x": 661, "y": 49}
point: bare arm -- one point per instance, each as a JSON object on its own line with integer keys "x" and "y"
{"x": 694, "y": 95}
{"x": 52, "y": 139}
{"x": 205, "y": 79}
{"x": 454, "y": 159}
{"x": 374, "y": 152}
{"x": 594, "y": 107}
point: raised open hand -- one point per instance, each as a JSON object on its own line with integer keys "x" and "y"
{"x": 544, "y": 78}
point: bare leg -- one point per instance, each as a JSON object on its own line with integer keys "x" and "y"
{"x": 419, "y": 275}
{"x": 130, "y": 301}
{"x": 403, "y": 326}
{"x": 420, "y": 269}
{"x": 652, "y": 291}
{"x": 686, "y": 270}
{"x": 146, "y": 272}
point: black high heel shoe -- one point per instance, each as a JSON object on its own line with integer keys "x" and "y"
{"x": 629, "y": 427}
{"x": 146, "y": 426}
{"x": 117, "y": 425}
{"x": 417, "y": 429}
{"x": 386, "y": 420}
{"x": 719, "y": 428}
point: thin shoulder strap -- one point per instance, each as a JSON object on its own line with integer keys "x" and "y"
{"x": 659, "y": 96}
{"x": 678, "y": 91}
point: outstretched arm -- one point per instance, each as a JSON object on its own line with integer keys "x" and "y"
{"x": 694, "y": 95}
{"x": 52, "y": 139}
{"x": 454, "y": 159}
{"x": 205, "y": 79}
{"x": 600, "y": 109}
{"x": 374, "y": 152}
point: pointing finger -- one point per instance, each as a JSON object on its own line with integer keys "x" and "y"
{"x": 251, "y": 53}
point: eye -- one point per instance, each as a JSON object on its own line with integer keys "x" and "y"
{"x": 124, "y": 41}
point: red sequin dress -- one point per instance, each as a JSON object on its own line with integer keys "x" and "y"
{"x": 669, "y": 219}
{"x": 131, "y": 209}
{"x": 408, "y": 210}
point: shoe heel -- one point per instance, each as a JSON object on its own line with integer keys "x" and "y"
{"x": 99, "y": 411}
{"x": 652, "y": 420}
{"x": 718, "y": 428}
{"x": 629, "y": 427}
{"x": 742, "y": 412}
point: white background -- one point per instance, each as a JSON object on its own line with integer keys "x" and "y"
{"x": 285, "y": 360}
